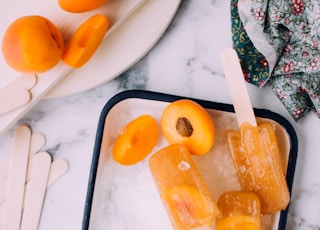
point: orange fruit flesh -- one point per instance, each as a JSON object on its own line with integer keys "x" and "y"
{"x": 85, "y": 41}
{"x": 188, "y": 207}
{"x": 137, "y": 141}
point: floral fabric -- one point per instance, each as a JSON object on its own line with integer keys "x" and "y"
{"x": 278, "y": 43}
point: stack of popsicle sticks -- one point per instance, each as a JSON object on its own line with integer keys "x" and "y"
{"x": 25, "y": 175}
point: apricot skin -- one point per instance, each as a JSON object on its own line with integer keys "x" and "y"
{"x": 76, "y": 6}
{"x": 32, "y": 44}
{"x": 85, "y": 41}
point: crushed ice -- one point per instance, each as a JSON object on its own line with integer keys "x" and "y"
{"x": 184, "y": 166}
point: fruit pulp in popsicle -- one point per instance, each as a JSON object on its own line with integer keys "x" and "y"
{"x": 239, "y": 211}
{"x": 182, "y": 189}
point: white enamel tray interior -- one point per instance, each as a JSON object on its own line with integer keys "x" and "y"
{"x": 125, "y": 197}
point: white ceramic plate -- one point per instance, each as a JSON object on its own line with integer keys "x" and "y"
{"x": 124, "y": 47}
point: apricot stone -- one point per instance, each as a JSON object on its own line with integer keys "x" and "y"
{"x": 76, "y": 6}
{"x": 32, "y": 44}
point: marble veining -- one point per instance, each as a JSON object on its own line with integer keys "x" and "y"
{"x": 185, "y": 61}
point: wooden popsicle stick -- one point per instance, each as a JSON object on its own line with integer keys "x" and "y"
{"x": 38, "y": 143}
{"x": 35, "y": 192}
{"x": 16, "y": 183}
{"x": 38, "y": 140}
{"x": 16, "y": 94}
{"x": 236, "y": 83}
{"x": 25, "y": 81}
{"x": 50, "y": 78}
{"x": 58, "y": 168}
{"x": 13, "y": 99}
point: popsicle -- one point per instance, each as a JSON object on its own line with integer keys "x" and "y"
{"x": 254, "y": 149}
{"x": 239, "y": 211}
{"x": 182, "y": 189}
{"x": 256, "y": 157}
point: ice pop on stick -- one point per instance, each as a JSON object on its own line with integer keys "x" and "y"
{"x": 182, "y": 189}
{"x": 239, "y": 211}
{"x": 257, "y": 159}
{"x": 254, "y": 149}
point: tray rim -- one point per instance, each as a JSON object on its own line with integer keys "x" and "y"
{"x": 164, "y": 97}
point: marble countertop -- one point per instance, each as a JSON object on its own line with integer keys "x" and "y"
{"x": 184, "y": 62}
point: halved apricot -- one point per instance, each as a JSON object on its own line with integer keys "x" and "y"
{"x": 186, "y": 122}
{"x": 85, "y": 41}
{"x": 137, "y": 140}
{"x": 77, "y": 6}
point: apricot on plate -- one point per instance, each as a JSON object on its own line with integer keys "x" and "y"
{"x": 137, "y": 140}
{"x": 77, "y": 6}
{"x": 186, "y": 122}
{"x": 85, "y": 41}
{"x": 32, "y": 44}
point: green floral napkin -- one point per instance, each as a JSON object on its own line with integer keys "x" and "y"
{"x": 278, "y": 43}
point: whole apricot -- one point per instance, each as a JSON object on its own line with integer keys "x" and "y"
{"x": 32, "y": 44}
{"x": 76, "y": 6}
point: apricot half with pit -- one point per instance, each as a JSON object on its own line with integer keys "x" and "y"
{"x": 32, "y": 44}
{"x": 186, "y": 122}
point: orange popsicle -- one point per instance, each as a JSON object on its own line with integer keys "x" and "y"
{"x": 182, "y": 189}
{"x": 239, "y": 211}
{"x": 257, "y": 160}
